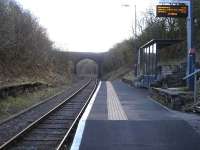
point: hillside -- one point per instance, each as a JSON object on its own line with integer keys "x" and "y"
{"x": 26, "y": 52}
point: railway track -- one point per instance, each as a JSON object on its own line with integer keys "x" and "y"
{"x": 16, "y": 123}
{"x": 54, "y": 129}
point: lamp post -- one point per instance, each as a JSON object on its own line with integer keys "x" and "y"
{"x": 135, "y": 18}
{"x": 135, "y": 21}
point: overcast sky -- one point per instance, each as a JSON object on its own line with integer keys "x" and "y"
{"x": 86, "y": 25}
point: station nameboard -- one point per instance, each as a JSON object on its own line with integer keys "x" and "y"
{"x": 172, "y": 11}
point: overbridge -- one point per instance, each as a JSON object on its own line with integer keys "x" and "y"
{"x": 76, "y": 57}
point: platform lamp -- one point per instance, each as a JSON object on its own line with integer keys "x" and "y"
{"x": 135, "y": 8}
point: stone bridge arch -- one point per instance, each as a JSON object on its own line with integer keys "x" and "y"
{"x": 77, "y": 62}
{"x": 76, "y": 57}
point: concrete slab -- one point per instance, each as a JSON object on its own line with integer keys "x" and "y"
{"x": 138, "y": 105}
{"x": 149, "y": 126}
{"x": 139, "y": 135}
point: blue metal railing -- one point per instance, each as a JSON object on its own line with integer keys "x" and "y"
{"x": 192, "y": 74}
{"x": 195, "y": 82}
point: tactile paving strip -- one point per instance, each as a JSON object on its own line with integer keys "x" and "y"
{"x": 115, "y": 110}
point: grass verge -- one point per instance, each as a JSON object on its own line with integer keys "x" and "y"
{"x": 12, "y": 105}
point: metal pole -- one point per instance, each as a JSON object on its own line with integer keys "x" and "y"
{"x": 139, "y": 62}
{"x": 195, "y": 88}
{"x": 190, "y": 46}
{"x": 135, "y": 22}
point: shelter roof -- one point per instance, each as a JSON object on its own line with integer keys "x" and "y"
{"x": 161, "y": 43}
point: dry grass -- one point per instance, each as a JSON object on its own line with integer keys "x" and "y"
{"x": 12, "y": 105}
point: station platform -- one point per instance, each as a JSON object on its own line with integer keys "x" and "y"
{"x": 120, "y": 117}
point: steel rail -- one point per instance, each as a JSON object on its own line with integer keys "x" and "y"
{"x": 32, "y": 107}
{"x": 75, "y": 122}
{"x": 32, "y": 125}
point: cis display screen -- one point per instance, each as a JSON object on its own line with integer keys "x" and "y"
{"x": 172, "y": 11}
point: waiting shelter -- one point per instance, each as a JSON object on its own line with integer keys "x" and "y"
{"x": 148, "y": 60}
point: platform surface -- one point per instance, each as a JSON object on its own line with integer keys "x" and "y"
{"x": 126, "y": 118}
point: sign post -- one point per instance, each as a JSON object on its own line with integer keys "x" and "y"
{"x": 190, "y": 45}
{"x": 191, "y": 50}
